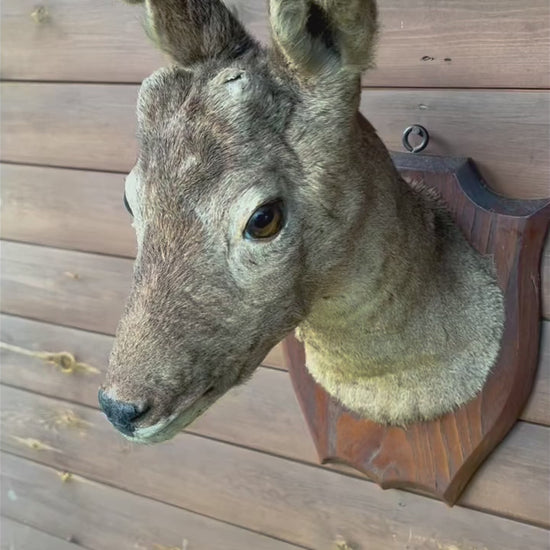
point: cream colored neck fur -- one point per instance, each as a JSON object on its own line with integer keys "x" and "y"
{"x": 412, "y": 332}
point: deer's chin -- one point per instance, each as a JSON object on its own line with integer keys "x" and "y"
{"x": 168, "y": 427}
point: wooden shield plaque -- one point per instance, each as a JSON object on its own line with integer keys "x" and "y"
{"x": 440, "y": 456}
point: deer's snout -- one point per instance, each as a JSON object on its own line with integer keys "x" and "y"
{"x": 123, "y": 416}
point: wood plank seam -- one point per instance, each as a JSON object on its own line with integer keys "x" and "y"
{"x": 77, "y": 469}
{"x": 61, "y": 167}
{"x": 322, "y": 467}
{"x": 125, "y": 490}
{"x": 142, "y": 496}
{"x": 364, "y": 87}
{"x": 22, "y": 523}
{"x": 307, "y": 464}
{"x": 61, "y": 542}
{"x": 268, "y": 401}
{"x": 493, "y": 45}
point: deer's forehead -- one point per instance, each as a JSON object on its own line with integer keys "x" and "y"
{"x": 161, "y": 94}
{"x": 241, "y": 98}
{"x": 195, "y": 129}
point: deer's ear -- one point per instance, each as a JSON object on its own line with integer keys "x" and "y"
{"x": 319, "y": 36}
{"x": 193, "y": 31}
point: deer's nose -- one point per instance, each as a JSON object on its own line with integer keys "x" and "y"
{"x": 122, "y": 416}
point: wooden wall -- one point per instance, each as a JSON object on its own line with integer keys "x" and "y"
{"x": 245, "y": 475}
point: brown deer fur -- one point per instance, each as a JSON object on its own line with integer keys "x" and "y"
{"x": 400, "y": 317}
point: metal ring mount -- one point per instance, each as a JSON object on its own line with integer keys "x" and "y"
{"x": 416, "y": 130}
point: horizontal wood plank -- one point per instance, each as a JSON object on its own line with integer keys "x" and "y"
{"x": 75, "y": 125}
{"x": 74, "y": 209}
{"x": 104, "y": 518}
{"x": 507, "y": 133}
{"x": 17, "y": 536}
{"x": 264, "y": 414}
{"x": 64, "y": 287}
{"x": 300, "y": 504}
{"x": 449, "y": 44}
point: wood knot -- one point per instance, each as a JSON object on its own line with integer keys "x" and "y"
{"x": 64, "y": 360}
{"x": 68, "y": 419}
{"x": 65, "y": 476}
{"x": 34, "y": 444}
{"x": 341, "y": 544}
{"x": 40, "y": 14}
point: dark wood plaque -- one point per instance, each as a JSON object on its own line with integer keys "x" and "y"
{"x": 440, "y": 456}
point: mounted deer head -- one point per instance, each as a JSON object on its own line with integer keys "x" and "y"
{"x": 263, "y": 202}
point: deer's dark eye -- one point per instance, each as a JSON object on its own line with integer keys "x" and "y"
{"x": 127, "y": 206}
{"x": 266, "y": 222}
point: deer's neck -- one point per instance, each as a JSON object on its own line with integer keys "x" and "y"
{"x": 412, "y": 329}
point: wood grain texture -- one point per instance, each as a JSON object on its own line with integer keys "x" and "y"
{"x": 449, "y": 44}
{"x": 297, "y": 503}
{"x": 68, "y": 288}
{"x": 75, "y": 125}
{"x": 264, "y": 414}
{"x": 74, "y": 209}
{"x": 507, "y": 133}
{"x": 538, "y": 406}
{"x": 36, "y": 375}
{"x": 512, "y": 156}
{"x": 441, "y": 455}
{"x": 492, "y": 44}
{"x": 103, "y": 518}
{"x": 17, "y": 536}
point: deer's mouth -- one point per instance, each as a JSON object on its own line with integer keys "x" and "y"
{"x": 183, "y": 415}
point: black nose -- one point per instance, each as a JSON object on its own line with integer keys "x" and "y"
{"x": 122, "y": 415}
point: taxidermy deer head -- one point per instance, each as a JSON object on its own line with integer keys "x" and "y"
{"x": 263, "y": 202}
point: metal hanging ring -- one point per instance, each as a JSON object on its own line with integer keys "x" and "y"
{"x": 416, "y": 130}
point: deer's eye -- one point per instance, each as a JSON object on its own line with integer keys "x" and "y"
{"x": 266, "y": 222}
{"x": 127, "y": 206}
